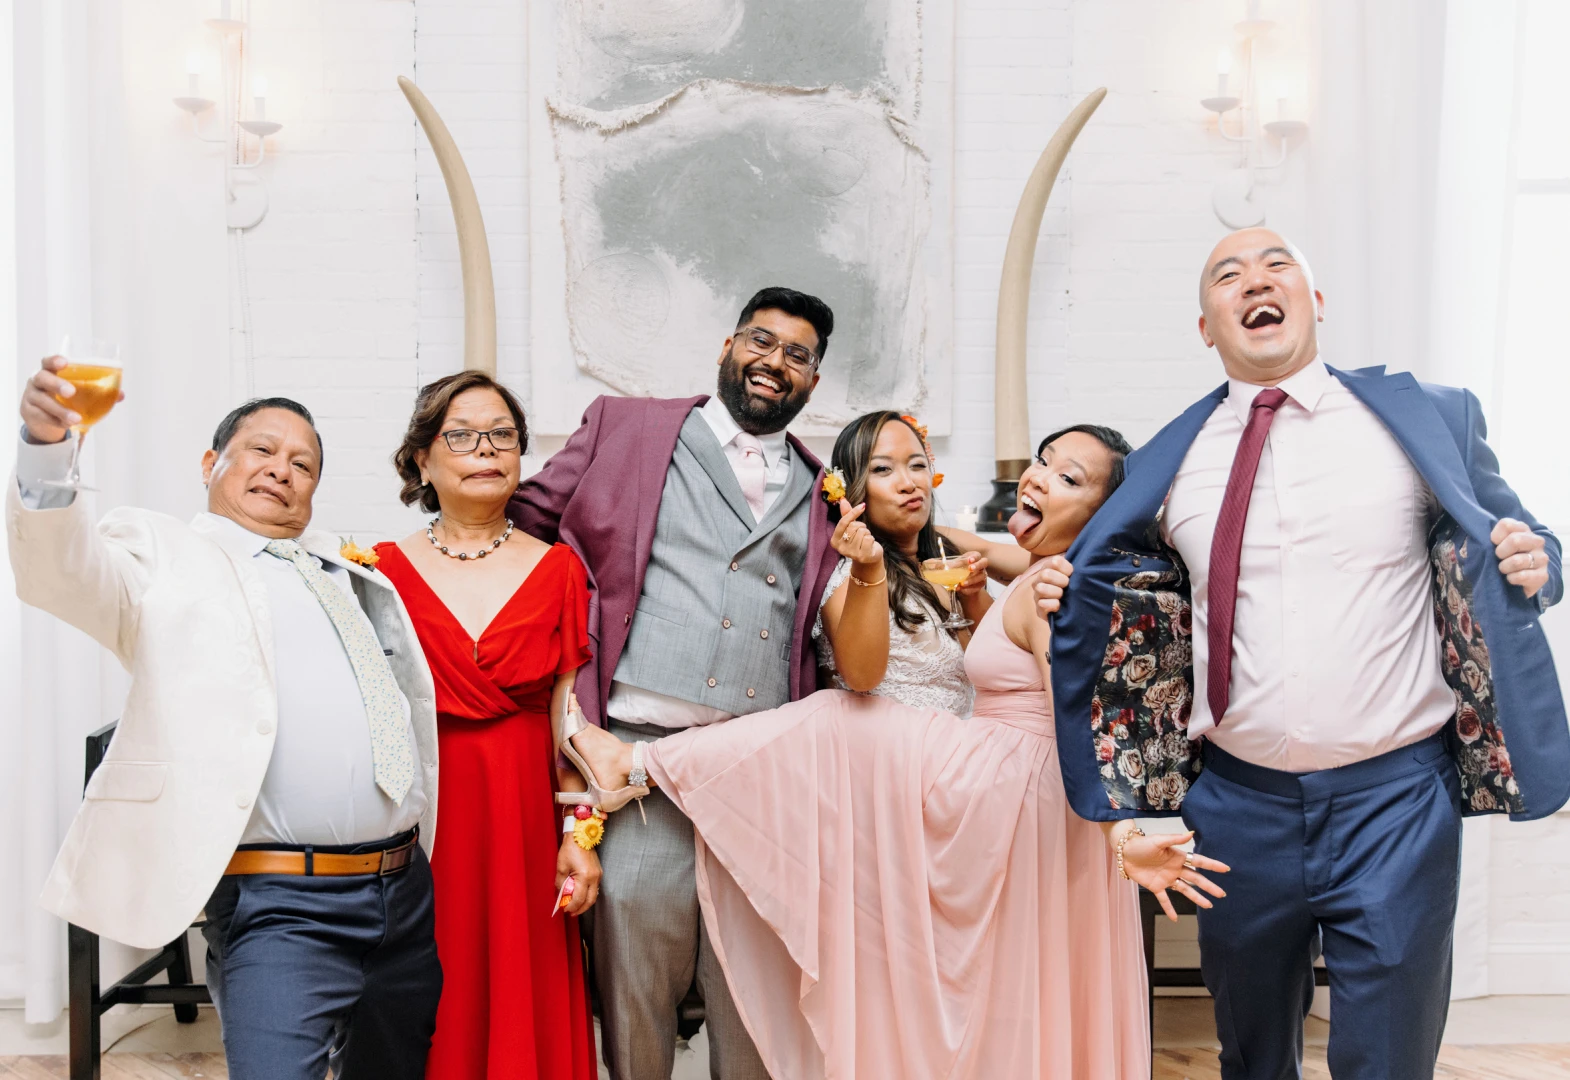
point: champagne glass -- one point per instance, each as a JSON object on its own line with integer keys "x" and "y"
{"x": 949, "y": 574}
{"x": 93, "y": 368}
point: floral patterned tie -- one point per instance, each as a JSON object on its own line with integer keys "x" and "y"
{"x": 391, "y": 758}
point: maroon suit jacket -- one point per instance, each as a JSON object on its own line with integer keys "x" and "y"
{"x": 601, "y": 496}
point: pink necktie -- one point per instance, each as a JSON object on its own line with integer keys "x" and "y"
{"x": 752, "y": 472}
{"x": 1226, "y": 549}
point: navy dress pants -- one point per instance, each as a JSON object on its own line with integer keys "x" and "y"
{"x": 311, "y": 971}
{"x": 1362, "y": 861}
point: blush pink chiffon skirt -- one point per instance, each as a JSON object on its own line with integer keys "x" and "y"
{"x": 899, "y": 893}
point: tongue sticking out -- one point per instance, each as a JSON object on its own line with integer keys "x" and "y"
{"x": 1023, "y": 521}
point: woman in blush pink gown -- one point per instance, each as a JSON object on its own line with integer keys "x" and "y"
{"x": 895, "y": 891}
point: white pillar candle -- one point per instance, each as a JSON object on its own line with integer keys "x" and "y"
{"x": 259, "y": 96}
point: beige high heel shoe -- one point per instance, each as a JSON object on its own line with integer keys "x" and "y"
{"x": 609, "y": 802}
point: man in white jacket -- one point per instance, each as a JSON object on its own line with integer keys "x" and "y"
{"x": 275, "y": 761}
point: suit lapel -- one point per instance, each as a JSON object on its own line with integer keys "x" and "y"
{"x": 698, "y": 437}
{"x": 1400, "y": 403}
{"x": 252, "y": 587}
{"x": 1154, "y": 466}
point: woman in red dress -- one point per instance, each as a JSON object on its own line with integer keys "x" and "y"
{"x": 502, "y": 618}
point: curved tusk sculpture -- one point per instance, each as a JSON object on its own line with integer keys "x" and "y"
{"x": 1014, "y": 449}
{"x": 474, "y": 254}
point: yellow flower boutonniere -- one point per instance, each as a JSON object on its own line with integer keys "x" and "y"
{"x": 833, "y": 486}
{"x": 356, "y": 554}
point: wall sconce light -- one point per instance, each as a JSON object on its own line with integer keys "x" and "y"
{"x": 1233, "y": 198}
{"x": 247, "y": 198}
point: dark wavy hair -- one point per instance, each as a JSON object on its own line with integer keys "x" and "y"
{"x": 1117, "y": 446}
{"x": 852, "y": 456}
{"x": 430, "y": 410}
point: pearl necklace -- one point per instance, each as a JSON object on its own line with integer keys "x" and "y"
{"x": 464, "y": 556}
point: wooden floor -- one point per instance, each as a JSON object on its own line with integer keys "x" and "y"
{"x": 1185, "y": 1063}
{"x": 1184, "y": 1036}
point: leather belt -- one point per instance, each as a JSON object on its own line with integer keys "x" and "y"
{"x": 322, "y": 864}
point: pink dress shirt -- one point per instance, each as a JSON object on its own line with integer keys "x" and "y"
{"x": 1335, "y": 651}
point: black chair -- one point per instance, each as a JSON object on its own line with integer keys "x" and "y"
{"x": 1149, "y": 912}
{"x": 88, "y": 1003}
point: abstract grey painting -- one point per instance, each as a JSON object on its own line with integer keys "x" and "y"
{"x": 706, "y": 148}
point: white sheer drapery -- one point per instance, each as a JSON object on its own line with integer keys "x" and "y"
{"x": 1410, "y": 186}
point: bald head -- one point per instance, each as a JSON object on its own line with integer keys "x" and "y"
{"x": 1258, "y": 307}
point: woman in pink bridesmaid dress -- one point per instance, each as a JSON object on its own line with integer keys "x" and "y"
{"x": 896, "y": 889}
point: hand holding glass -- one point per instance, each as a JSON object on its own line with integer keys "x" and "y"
{"x": 93, "y": 371}
{"x": 949, "y": 574}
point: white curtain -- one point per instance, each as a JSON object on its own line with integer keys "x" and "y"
{"x": 120, "y": 233}
{"x": 1411, "y": 182}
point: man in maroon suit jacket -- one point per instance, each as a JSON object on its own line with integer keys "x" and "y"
{"x": 707, "y": 547}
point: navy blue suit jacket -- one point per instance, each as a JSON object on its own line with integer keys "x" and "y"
{"x": 1122, "y": 656}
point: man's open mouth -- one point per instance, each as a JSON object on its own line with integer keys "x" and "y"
{"x": 761, "y": 382}
{"x": 1262, "y": 315}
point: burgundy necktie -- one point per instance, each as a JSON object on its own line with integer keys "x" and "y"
{"x": 1226, "y": 548}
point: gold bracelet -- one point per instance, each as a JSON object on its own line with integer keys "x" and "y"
{"x": 1135, "y": 831}
{"x": 869, "y": 584}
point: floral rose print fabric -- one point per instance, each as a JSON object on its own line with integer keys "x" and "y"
{"x": 1139, "y": 715}
{"x": 1487, "y": 782}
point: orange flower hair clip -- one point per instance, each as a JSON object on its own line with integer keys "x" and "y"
{"x": 921, "y": 432}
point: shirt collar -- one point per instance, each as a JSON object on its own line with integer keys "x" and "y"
{"x": 230, "y": 535}
{"x": 725, "y": 429}
{"x": 1305, "y": 387}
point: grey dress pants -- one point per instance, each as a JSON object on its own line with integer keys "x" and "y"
{"x": 647, "y": 941}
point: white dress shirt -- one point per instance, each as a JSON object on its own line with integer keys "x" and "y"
{"x": 320, "y": 787}
{"x": 1335, "y": 651}
{"x": 635, "y": 705}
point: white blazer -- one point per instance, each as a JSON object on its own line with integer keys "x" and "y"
{"x": 163, "y": 813}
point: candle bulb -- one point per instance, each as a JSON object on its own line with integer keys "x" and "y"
{"x": 193, "y": 74}
{"x": 1223, "y": 69}
{"x": 1255, "y": 10}
{"x": 259, "y": 96}
{"x": 223, "y": 9}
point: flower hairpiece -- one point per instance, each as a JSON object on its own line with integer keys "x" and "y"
{"x": 351, "y": 551}
{"x": 833, "y": 486}
{"x": 921, "y": 433}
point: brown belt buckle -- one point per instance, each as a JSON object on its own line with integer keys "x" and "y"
{"x": 390, "y": 865}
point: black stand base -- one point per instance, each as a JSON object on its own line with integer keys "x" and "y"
{"x": 995, "y": 512}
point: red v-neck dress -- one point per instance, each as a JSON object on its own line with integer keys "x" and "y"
{"x": 513, "y": 999}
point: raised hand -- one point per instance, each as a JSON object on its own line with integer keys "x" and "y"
{"x": 1159, "y": 863}
{"x": 46, "y": 418}
{"x": 1051, "y": 581}
{"x": 854, "y": 540}
{"x": 1522, "y": 558}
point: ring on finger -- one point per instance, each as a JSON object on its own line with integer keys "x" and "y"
{"x": 1531, "y": 560}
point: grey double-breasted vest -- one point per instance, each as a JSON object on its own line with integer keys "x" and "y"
{"x": 713, "y": 624}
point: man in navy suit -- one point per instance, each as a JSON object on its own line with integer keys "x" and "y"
{"x": 1308, "y": 622}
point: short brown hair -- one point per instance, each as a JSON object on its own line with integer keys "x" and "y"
{"x": 430, "y": 409}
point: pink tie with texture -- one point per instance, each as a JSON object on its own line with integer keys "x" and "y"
{"x": 752, "y": 472}
{"x": 1226, "y": 548}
